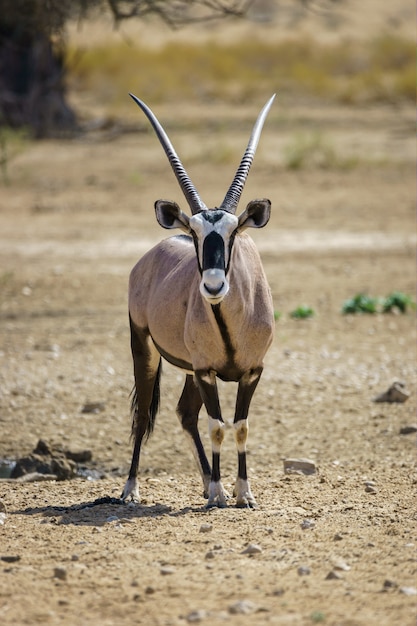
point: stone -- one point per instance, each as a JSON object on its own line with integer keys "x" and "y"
{"x": 242, "y": 607}
{"x": 409, "y": 429}
{"x": 395, "y": 393}
{"x": 307, "y": 524}
{"x": 60, "y": 573}
{"x": 299, "y": 466}
{"x": 252, "y": 548}
{"x": 196, "y": 616}
{"x": 206, "y": 528}
{"x": 333, "y": 576}
{"x": 408, "y": 591}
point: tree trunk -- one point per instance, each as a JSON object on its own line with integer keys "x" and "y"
{"x": 32, "y": 87}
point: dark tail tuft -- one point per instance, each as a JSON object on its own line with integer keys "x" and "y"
{"x": 153, "y": 409}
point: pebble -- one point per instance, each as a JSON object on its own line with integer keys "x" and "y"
{"x": 242, "y": 607}
{"x": 206, "y": 528}
{"x": 10, "y": 558}
{"x": 408, "y": 591}
{"x": 389, "y": 584}
{"x": 299, "y": 466}
{"x": 167, "y": 571}
{"x": 303, "y": 571}
{"x": 409, "y": 429}
{"x": 306, "y": 524}
{"x": 2, "y": 518}
{"x": 253, "y": 548}
{"x": 340, "y": 564}
{"x": 60, "y": 573}
{"x": 395, "y": 393}
{"x": 333, "y": 576}
{"x": 196, "y": 616}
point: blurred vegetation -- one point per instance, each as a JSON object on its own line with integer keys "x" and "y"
{"x": 397, "y": 301}
{"x": 382, "y": 70}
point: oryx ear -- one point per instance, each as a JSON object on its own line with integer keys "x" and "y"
{"x": 169, "y": 215}
{"x": 256, "y": 214}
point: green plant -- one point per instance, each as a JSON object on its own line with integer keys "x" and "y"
{"x": 277, "y": 315}
{"x": 317, "y": 617}
{"x": 397, "y": 300}
{"x": 302, "y": 312}
{"x": 361, "y": 303}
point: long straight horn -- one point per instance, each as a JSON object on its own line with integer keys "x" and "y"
{"x": 232, "y": 197}
{"x": 188, "y": 189}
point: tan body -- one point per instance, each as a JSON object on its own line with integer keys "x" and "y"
{"x": 164, "y": 298}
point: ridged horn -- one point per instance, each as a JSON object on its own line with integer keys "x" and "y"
{"x": 231, "y": 199}
{"x": 188, "y": 189}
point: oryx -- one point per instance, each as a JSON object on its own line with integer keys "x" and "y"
{"x": 201, "y": 301}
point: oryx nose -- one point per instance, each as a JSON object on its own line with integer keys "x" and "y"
{"x": 214, "y": 289}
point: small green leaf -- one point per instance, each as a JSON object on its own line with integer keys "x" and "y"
{"x": 302, "y": 312}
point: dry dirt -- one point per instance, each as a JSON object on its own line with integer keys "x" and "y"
{"x": 337, "y": 547}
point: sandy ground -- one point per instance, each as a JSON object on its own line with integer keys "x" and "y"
{"x": 337, "y": 547}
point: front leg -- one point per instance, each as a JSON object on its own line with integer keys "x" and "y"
{"x": 206, "y": 382}
{"x": 247, "y": 386}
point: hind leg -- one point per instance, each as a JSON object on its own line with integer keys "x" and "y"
{"x": 247, "y": 386}
{"x": 188, "y": 408}
{"x": 147, "y": 369}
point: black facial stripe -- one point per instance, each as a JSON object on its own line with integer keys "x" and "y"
{"x": 213, "y": 252}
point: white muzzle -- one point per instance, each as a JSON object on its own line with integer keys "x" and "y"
{"x": 214, "y": 285}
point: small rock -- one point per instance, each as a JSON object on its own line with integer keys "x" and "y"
{"x": 93, "y": 407}
{"x": 206, "y": 528}
{"x": 333, "y": 576}
{"x": 2, "y": 507}
{"x": 210, "y": 555}
{"x": 306, "y": 524}
{"x": 252, "y": 548}
{"x": 2, "y": 518}
{"x": 370, "y": 489}
{"x": 340, "y": 564}
{"x": 196, "y": 616}
{"x": 389, "y": 584}
{"x": 299, "y": 466}
{"x": 242, "y": 607}
{"x": 10, "y": 558}
{"x": 410, "y": 429}
{"x": 303, "y": 571}
{"x": 338, "y": 537}
{"x": 149, "y": 590}
{"x": 167, "y": 571}
{"x": 395, "y": 393}
{"x": 60, "y": 573}
{"x": 408, "y": 591}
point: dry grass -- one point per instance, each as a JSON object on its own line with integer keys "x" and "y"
{"x": 382, "y": 70}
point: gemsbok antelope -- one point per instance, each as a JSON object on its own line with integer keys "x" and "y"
{"x": 201, "y": 301}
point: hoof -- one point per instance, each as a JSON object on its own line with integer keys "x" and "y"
{"x": 249, "y": 504}
{"x": 216, "y": 505}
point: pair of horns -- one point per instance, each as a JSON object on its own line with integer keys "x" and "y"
{"x": 191, "y": 194}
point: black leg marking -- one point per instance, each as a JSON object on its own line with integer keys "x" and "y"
{"x": 188, "y": 408}
{"x": 145, "y": 401}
